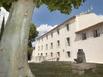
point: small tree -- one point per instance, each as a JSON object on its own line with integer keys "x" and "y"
{"x": 13, "y": 45}
{"x": 33, "y": 33}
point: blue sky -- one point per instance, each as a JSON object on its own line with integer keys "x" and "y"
{"x": 44, "y": 16}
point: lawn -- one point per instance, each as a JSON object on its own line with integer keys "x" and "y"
{"x": 62, "y": 69}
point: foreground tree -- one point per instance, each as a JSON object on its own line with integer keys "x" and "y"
{"x": 13, "y": 45}
{"x": 2, "y": 28}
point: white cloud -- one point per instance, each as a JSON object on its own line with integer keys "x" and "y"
{"x": 33, "y": 44}
{"x": 42, "y": 29}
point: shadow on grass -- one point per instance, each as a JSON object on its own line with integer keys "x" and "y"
{"x": 63, "y": 69}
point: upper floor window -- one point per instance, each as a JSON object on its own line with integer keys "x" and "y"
{"x": 58, "y": 31}
{"x": 67, "y": 26}
{"x": 42, "y": 47}
{"x": 38, "y": 54}
{"x": 84, "y": 36}
{"x": 52, "y": 34}
{"x": 38, "y": 48}
{"x": 46, "y": 46}
{"x": 51, "y": 45}
{"x": 47, "y": 36}
{"x": 68, "y": 41}
{"x": 58, "y": 42}
{"x": 42, "y": 38}
{"x": 96, "y": 33}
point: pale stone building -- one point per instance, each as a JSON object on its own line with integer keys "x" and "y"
{"x": 84, "y": 31}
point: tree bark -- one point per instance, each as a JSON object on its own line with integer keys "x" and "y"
{"x": 13, "y": 45}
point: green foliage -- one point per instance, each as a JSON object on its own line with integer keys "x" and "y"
{"x": 33, "y": 33}
{"x": 63, "y": 69}
{"x": 29, "y": 53}
{"x": 64, "y": 6}
{"x": 6, "y": 3}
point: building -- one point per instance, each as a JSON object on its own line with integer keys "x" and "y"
{"x": 84, "y": 31}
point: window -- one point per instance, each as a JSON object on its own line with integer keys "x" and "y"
{"x": 38, "y": 48}
{"x": 52, "y": 34}
{"x": 41, "y": 54}
{"x": 42, "y": 38}
{"x": 58, "y": 43}
{"x": 51, "y": 45}
{"x": 38, "y": 54}
{"x": 84, "y": 37}
{"x": 46, "y": 46}
{"x": 68, "y": 53}
{"x": 46, "y": 54}
{"x": 58, "y": 31}
{"x": 58, "y": 53}
{"x": 68, "y": 41}
{"x": 51, "y": 54}
{"x": 42, "y": 47}
{"x": 96, "y": 33}
{"x": 47, "y": 36}
{"x": 67, "y": 25}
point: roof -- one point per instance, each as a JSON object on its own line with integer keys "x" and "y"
{"x": 90, "y": 27}
{"x": 73, "y": 17}
{"x": 87, "y": 21}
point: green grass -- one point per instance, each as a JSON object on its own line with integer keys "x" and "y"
{"x": 62, "y": 69}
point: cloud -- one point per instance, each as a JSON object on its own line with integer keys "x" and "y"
{"x": 43, "y": 28}
{"x": 33, "y": 44}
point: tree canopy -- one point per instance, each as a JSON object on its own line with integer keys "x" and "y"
{"x": 64, "y": 6}
{"x": 33, "y": 33}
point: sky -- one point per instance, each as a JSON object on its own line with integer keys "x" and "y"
{"x": 46, "y": 20}
{"x": 44, "y": 16}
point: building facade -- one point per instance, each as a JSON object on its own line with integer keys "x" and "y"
{"x": 84, "y": 31}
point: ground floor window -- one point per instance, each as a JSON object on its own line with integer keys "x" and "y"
{"x": 58, "y": 53}
{"x": 41, "y": 54}
{"x": 68, "y": 53}
{"x": 51, "y": 54}
{"x": 46, "y": 54}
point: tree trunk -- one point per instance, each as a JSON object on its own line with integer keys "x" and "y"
{"x": 13, "y": 45}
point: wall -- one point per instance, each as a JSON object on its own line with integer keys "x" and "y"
{"x": 91, "y": 46}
